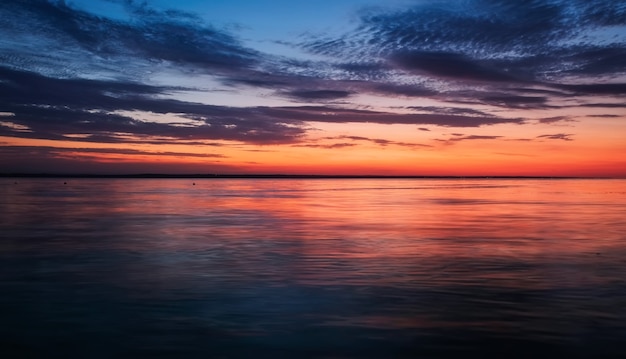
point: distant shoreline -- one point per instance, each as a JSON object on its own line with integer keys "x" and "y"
{"x": 274, "y": 176}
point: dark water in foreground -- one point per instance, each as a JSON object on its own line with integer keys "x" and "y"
{"x": 333, "y": 268}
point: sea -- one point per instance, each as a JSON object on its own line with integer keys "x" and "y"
{"x": 312, "y": 268}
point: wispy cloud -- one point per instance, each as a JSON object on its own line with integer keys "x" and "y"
{"x": 559, "y": 45}
{"x": 121, "y": 151}
{"x": 379, "y": 141}
{"x": 327, "y": 146}
{"x": 317, "y": 95}
{"x": 555, "y": 119}
{"x": 62, "y": 40}
{"x": 558, "y": 136}
{"x": 457, "y": 137}
{"x": 46, "y": 159}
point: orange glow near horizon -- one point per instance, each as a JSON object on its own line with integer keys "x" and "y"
{"x": 512, "y": 150}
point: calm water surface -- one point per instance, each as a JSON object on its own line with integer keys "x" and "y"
{"x": 300, "y": 268}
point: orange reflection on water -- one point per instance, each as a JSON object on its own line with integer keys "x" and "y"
{"x": 249, "y": 256}
{"x": 382, "y": 232}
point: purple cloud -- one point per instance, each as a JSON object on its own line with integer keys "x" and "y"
{"x": 558, "y": 136}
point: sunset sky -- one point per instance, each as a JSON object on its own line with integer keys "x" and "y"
{"x": 396, "y": 87}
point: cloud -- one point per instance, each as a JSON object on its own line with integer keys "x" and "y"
{"x": 317, "y": 95}
{"x": 152, "y": 35}
{"x": 378, "y": 141}
{"x": 605, "y": 116}
{"x": 555, "y": 119}
{"x": 604, "y": 105}
{"x": 363, "y": 70}
{"x": 52, "y": 108}
{"x": 561, "y": 46}
{"x": 597, "y": 89}
{"x": 118, "y": 151}
{"x": 343, "y": 115}
{"x": 450, "y": 110}
{"x": 396, "y": 90}
{"x": 354, "y": 140}
{"x": 327, "y": 146}
{"x": 513, "y": 101}
{"x": 460, "y": 137}
{"x": 45, "y": 159}
{"x": 558, "y": 136}
{"x": 447, "y": 65}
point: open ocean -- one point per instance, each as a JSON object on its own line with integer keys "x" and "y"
{"x": 312, "y": 268}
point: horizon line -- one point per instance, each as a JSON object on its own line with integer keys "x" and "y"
{"x": 279, "y": 176}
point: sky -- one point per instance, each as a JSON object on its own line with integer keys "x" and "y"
{"x": 336, "y": 87}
